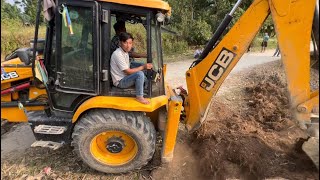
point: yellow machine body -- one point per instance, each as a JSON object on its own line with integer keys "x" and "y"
{"x": 154, "y": 4}
{"x": 127, "y": 104}
{"x": 17, "y": 71}
{"x": 293, "y": 24}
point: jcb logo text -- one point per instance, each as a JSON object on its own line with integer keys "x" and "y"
{"x": 217, "y": 69}
{"x": 9, "y": 75}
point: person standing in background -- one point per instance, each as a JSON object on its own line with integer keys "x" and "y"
{"x": 249, "y": 48}
{"x": 264, "y": 43}
{"x": 277, "y": 52}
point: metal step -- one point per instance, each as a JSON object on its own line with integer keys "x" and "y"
{"x": 49, "y": 144}
{"x": 47, "y": 129}
{"x": 315, "y": 116}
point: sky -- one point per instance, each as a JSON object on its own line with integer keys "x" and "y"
{"x": 12, "y": 2}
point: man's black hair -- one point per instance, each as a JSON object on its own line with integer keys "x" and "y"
{"x": 119, "y": 25}
{"x": 124, "y": 36}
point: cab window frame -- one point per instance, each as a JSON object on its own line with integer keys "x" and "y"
{"x": 106, "y": 39}
{"x": 95, "y": 45}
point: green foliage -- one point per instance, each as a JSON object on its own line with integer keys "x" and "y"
{"x": 14, "y": 35}
{"x": 194, "y": 21}
{"x": 140, "y": 36}
{"x": 30, "y": 10}
{"x": 185, "y": 12}
{"x": 181, "y": 17}
{"x": 199, "y": 32}
{"x": 268, "y": 27}
{"x": 9, "y": 11}
{"x": 173, "y": 44}
{"x": 256, "y": 43}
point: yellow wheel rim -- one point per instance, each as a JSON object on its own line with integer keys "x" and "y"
{"x": 113, "y": 148}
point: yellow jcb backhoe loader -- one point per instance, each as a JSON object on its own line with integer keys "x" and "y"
{"x": 62, "y": 85}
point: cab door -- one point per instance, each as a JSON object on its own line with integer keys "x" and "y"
{"x": 77, "y": 48}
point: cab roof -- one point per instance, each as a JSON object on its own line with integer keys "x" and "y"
{"x": 155, "y": 4}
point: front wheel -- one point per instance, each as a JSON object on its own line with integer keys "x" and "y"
{"x": 114, "y": 141}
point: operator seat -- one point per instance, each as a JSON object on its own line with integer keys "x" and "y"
{"x": 127, "y": 92}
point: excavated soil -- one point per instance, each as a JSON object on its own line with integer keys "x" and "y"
{"x": 249, "y": 133}
{"x": 257, "y": 140}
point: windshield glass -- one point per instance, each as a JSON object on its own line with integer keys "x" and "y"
{"x": 77, "y": 50}
{"x": 155, "y": 42}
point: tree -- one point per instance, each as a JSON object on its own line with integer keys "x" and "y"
{"x": 9, "y": 11}
{"x": 186, "y": 18}
{"x": 30, "y": 9}
{"x": 199, "y": 33}
{"x": 268, "y": 27}
{"x": 212, "y": 12}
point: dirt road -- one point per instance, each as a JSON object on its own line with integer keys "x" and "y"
{"x": 17, "y": 140}
{"x": 176, "y": 76}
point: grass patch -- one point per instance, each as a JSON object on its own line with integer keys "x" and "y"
{"x": 14, "y": 35}
{"x": 187, "y": 55}
{"x": 256, "y": 44}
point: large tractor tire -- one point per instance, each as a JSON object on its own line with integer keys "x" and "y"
{"x": 113, "y": 141}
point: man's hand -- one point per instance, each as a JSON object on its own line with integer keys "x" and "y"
{"x": 140, "y": 68}
{"x": 148, "y": 66}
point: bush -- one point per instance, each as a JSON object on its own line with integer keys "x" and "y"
{"x": 256, "y": 43}
{"x": 14, "y": 35}
{"x": 139, "y": 34}
{"x": 199, "y": 32}
{"x": 173, "y": 44}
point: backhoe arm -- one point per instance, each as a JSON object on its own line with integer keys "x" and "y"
{"x": 293, "y": 22}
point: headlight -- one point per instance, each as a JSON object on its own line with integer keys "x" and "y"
{"x": 160, "y": 17}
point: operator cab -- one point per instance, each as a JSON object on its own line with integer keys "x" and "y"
{"x": 136, "y": 24}
{"x": 78, "y": 50}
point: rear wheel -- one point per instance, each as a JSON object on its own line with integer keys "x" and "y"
{"x": 114, "y": 141}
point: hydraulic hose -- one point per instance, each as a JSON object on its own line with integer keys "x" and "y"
{"x": 217, "y": 34}
{"x": 16, "y": 88}
{"x": 315, "y": 27}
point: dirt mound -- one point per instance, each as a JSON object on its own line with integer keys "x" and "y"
{"x": 269, "y": 103}
{"x": 259, "y": 141}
